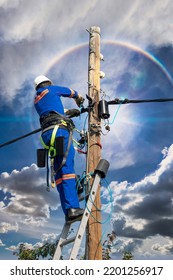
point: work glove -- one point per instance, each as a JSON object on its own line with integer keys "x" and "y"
{"x": 79, "y": 100}
{"x": 72, "y": 113}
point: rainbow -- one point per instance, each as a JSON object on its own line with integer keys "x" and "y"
{"x": 123, "y": 44}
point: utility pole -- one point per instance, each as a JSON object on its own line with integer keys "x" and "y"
{"x": 94, "y": 228}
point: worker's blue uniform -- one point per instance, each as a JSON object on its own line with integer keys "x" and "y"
{"x": 47, "y": 99}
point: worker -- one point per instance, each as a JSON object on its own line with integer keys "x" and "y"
{"x": 49, "y": 107}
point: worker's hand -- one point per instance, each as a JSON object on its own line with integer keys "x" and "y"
{"x": 79, "y": 100}
{"x": 72, "y": 113}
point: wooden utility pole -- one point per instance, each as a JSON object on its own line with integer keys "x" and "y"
{"x": 94, "y": 229}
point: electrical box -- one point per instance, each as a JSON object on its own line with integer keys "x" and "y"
{"x": 103, "y": 109}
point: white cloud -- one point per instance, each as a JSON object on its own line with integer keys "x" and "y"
{"x": 36, "y": 31}
{"x": 46, "y": 238}
{"x": 164, "y": 166}
{"x": 1, "y": 243}
{"x": 49, "y": 237}
{"x": 164, "y": 248}
{"x": 6, "y": 227}
{"x": 39, "y": 19}
{"x": 9, "y": 4}
{"x": 144, "y": 22}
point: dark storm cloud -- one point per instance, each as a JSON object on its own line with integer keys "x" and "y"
{"x": 153, "y": 206}
{"x": 160, "y": 227}
{"x": 29, "y": 202}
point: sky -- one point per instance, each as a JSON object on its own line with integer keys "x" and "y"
{"x": 50, "y": 37}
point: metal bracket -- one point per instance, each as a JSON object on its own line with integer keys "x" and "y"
{"x": 91, "y": 104}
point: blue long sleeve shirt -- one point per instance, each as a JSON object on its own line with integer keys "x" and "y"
{"x": 48, "y": 99}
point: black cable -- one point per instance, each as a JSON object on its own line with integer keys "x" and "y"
{"x": 21, "y": 137}
{"x": 83, "y": 110}
{"x": 112, "y": 102}
{"x": 127, "y": 101}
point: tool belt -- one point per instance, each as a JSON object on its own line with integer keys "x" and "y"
{"x": 53, "y": 118}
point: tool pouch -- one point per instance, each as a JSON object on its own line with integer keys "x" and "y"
{"x": 41, "y": 157}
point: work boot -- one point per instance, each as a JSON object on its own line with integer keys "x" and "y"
{"x": 74, "y": 213}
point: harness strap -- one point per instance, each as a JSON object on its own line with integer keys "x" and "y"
{"x": 52, "y": 153}
{"x": 51, "y": 148}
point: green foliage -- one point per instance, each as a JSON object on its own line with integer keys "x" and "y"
{"x": 45, "y": 251}
{"x": 128, "y": 256}
{"x": 107, "y": 246}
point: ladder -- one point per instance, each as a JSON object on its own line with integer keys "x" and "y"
{"x": 100, "y": 172}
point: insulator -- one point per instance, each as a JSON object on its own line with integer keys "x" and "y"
{"x": 101, "y": 57}
{"x": 102, "y": 74}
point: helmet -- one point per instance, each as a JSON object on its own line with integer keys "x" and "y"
{"x": 40, "y": 79}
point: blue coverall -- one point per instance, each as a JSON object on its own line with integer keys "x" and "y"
{"x": 47, "y": 99}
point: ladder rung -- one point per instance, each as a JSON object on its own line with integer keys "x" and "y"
{"x": 67, "y": 241}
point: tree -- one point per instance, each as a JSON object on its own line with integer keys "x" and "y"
{"x": 45, "y": 251}
{"x": 127, "y": 256}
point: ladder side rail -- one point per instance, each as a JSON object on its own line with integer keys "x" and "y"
{"x": 85, "y": 217}
{"x": 63, "y": 237}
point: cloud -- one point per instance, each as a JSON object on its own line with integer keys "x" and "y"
{"x": 142, "y": 22}
{"x": 46, "y": 238}
{"x": 125, "y": 245}
{"x": 1, "y": 243}
{"x": 144, "y": 209}
{"x": 123, "y": 132}
{"x": 51, "y": 237}
{"x": 32, "y": 33}
{"x": 28, "y": 202}
{"x": 6, "y": 227}
{"x": 166, "y": 248}
{"x": 31, "y": 37}
{"x": 42, "y": 24}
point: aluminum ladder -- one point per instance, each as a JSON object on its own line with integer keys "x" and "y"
{"x": 100, "y": 172}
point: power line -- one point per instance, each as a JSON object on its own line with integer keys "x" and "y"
{"x": 19, "y": 138}
{"x": 117, "y": 101}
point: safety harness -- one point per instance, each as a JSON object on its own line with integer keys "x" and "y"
{"x": 53, "y": 121}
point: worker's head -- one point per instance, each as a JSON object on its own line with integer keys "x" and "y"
{"x": 42, "y": 81}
